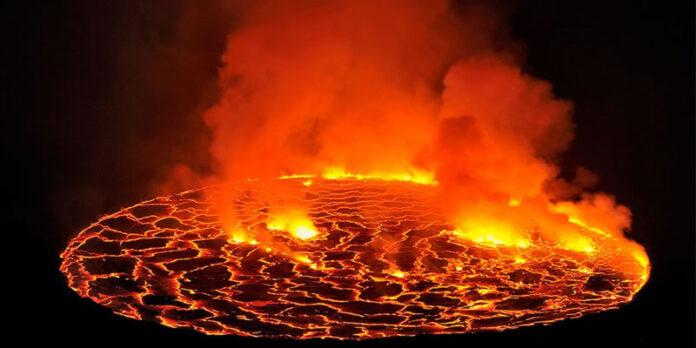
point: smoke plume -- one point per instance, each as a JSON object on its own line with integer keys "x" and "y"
{"x": 407, "y": 87}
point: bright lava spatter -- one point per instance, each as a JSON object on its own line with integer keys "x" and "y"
{"x": 381, "y": 265}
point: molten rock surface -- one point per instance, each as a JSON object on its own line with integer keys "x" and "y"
{"x": 381, "y": 264}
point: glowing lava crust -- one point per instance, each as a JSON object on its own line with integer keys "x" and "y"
{"x": 380, "y": 264}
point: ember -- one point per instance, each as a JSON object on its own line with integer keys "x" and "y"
{"x": 358, "y": 258}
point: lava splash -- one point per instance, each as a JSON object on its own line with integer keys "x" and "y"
{"x": 379, "y": 262}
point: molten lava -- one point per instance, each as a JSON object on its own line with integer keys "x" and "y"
{"x": 345, "y": 258}
{"x": 382, "y": 168}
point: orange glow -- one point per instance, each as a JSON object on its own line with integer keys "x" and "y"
{"x": 490, "y": 232}
{"x": 339, "y": 173}
{"x": 414, "y": 176}
{"x": 398, "y": 274}
{"x": 382, "y": 168}
{"x": 293, "y": 221}
{"x": 171, "y": 260}
{"x": 313, "y": 93}
{"x": 303, "y": 259}
{"x": 579, "y": 244}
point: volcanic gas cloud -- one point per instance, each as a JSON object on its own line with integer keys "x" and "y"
{"x": 383, "y": 168}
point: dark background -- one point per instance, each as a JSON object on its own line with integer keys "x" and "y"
{"x": 101, "y": 98}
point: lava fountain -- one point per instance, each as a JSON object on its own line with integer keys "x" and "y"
{"x": 381, "y": 169}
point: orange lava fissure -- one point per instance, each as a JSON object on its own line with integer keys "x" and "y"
{"x": 382, "y": 264}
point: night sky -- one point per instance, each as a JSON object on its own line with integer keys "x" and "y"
{"x": 100, "y": 99}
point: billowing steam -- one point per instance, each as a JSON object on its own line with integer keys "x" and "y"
{"x": 426, "y": 89}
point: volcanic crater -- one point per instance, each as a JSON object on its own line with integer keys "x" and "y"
{"x": 382, "y": 263}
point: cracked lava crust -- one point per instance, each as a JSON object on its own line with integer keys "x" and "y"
{"x": 382, "y": 264}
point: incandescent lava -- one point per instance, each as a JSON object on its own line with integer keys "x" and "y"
{"x": 376, "y": 261}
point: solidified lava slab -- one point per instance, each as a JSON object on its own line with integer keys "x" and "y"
{"x": 383, "y": 264}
